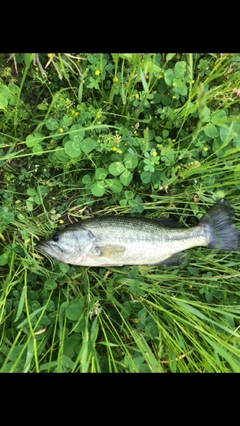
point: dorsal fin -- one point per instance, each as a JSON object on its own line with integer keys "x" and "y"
{"x": 168, "y": 223}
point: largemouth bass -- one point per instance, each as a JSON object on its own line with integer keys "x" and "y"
{"x": 118, "y": 241}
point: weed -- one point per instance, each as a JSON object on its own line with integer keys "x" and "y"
{"x": 89, "y": 134}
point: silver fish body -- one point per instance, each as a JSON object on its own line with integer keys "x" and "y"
{"x": 118, "y": 241}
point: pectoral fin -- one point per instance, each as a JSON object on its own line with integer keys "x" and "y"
{"x": 111, "y": 252}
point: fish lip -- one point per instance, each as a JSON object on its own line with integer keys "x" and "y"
{"x": 44, "y": 244}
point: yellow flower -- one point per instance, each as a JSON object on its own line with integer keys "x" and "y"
{"x": 2, "y": 237}
{"x": 154, "y": 154}
{"x": 119, "y": 151}
{"x": 61, "y": 221}
{"x": 115, "y": 79}
{"x": 98, "y": 115}
{"x": 36, "y": 68}
{"x": 160, "y": 76}
{"x": 173, "y": 97}
{"x": 44, "y": 170}
{"x": 61, "y": 130}
{"x": 97, "y": 72}
{"x": 50, "y": 55}
{"x": 205, "y": 149}
{"x": 137, "y": 96}
{"x": 99, "y": 122}
{"x": 114, "y": 148}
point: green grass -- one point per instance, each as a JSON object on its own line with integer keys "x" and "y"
{"x": 84, "y": 135}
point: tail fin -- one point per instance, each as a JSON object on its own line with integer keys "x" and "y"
{"x": 220, "y": 223}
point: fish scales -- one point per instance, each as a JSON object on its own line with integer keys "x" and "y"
{"x": 144, "y": 240}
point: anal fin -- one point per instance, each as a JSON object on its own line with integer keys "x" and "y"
{"x": 176, "y": 259}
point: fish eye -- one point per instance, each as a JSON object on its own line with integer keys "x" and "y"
{"x": 55, "y": 238}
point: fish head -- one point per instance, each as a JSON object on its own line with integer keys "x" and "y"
{"x": 70, "y": 245}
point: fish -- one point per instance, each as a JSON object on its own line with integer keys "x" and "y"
{"x": 124, "y": 240}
